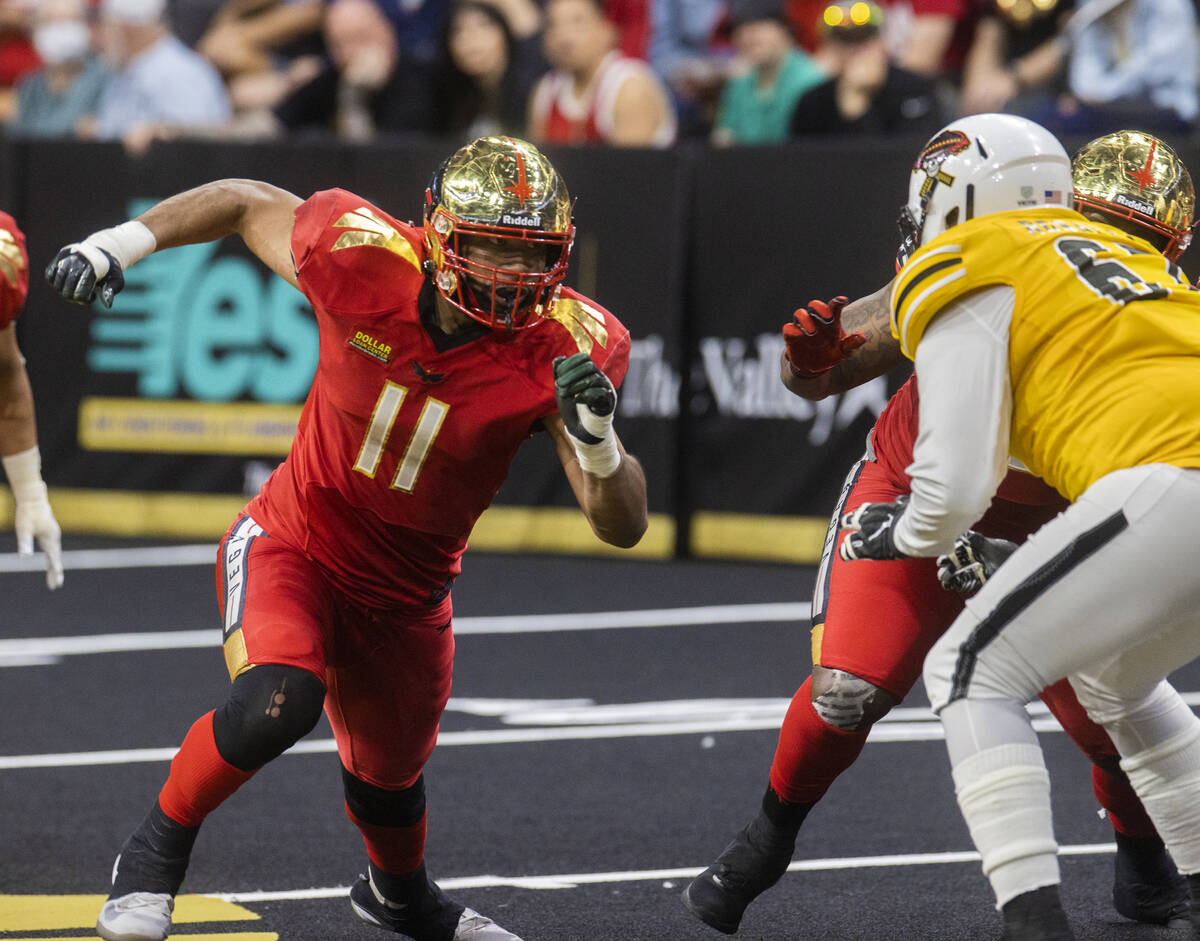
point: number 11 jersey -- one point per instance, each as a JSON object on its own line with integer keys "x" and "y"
{"x": 407, "y": 432}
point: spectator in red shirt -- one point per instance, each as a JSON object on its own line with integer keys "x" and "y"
{"x": 596, "y": 95}
{"x": 17, "y": 55}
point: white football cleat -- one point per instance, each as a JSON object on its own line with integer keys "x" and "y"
{"x": 138, "y": 916}
{"x": 475, "y": 927}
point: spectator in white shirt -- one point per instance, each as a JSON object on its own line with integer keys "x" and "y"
{"x": 159, "y": 81}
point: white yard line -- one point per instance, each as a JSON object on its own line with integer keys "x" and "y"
{"x": 26, "y": 651}
{"x": 142, "y": 557}
{"x": 708, "y": 718}
{"x": 573, "y": 880}
{"x": 902, "y": 728}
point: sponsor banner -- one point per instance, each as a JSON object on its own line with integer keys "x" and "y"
{"x": 780, "y": 227}
{"x": 185, "y": 427}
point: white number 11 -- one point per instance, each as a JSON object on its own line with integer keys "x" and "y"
{"x": 387, "y": 407}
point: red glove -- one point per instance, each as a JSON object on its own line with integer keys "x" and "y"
{"x": 816, "y": 342}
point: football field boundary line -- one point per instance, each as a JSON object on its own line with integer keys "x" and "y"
{"x": 927, "y": 730}
{"x": 37, "y": 651}
{"x": 913, "y": 724}
{"x": 76, "y": 560}
{"x": 575, "y": 880}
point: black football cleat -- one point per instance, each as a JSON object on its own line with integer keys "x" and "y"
{"x": 1146, "y": 885}
{"x": 756, "y": 859}
{"x": 434, "y": 917}
{"x": 1036, "y": 916}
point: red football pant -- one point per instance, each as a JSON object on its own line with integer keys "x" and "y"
{"x": 387, "y": 678}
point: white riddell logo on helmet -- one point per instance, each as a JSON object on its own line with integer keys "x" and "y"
{"x": 1144, "y": 208}
{"x": 533, "y": 220}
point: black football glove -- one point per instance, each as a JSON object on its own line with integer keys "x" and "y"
{"x": 873, "y": 527}
{"x": 973, "y": 560}
{"x": 80, "y": 272}
{"x": 586, "y": 398}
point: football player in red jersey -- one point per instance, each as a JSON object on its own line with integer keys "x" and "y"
{"x": 442, "y": 349}
{"x": 18, "y": 431}
{"x": 874, "y": 622}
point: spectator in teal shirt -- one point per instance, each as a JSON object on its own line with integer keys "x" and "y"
{"x": 756, "y": 107}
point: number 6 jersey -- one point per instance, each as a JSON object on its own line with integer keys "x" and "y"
{"x": 407, "y": 432}
{"x": 1104, "y": 343}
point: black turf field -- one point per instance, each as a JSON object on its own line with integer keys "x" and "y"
{"x": 578, "y": 839}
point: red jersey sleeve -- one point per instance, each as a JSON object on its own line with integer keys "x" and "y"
{"x": 365, "y": 281}
{"x": 592, "y": 329}
{"x": 14, "y": 270}
{"x": 614, "y": 360}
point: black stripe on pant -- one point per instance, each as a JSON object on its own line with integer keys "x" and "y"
{"x": 1016, "y": 601}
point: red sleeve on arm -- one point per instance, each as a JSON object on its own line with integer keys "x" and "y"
{"x": 14, "y": 270}
{"x": 313, "y": 217}
{"x": 350, "y": 255}
{"x": 614, "y": 360}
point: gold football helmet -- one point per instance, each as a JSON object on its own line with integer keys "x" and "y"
{"x": 1134, "y": 177}
{"x": 502, "y": 192}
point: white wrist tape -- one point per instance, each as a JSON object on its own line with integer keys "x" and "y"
{"x": 128, "y": 242}
{"x": 24, "y": 472}
{"x": 601, "y": 459}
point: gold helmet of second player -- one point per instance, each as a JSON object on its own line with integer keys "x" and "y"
{"x": 1132, "y": 176}
{"x": 503, "y": 192}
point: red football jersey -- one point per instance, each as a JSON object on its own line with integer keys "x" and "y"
{"x": 14, "y": 270}
{"x": 895, "y": 433}
{"x": 407, "y": 433}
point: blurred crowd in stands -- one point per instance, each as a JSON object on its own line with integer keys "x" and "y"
{"x": 636, "y": 73}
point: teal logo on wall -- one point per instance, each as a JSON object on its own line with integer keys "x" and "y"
{"x": 210, "y": 328}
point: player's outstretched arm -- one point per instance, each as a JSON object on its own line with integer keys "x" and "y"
{"x": 260, "y": 213}
{"x": 608, "y": 483}
{"x": 830, "y": 348}
{"x": 23, "y": 462}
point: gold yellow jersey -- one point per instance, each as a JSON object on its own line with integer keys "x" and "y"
{"x": 1104, "y": 345}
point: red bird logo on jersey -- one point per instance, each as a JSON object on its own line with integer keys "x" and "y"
{"x": 424, "y": 375}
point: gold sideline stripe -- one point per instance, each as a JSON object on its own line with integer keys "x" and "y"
{"x": 207, "y": 516}
{"x": 56, "y": 912}
{"x": 757, "y": 537}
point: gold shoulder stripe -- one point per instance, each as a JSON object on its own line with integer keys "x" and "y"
{"x": 584, "y": 323}
{"x": 11, "y": 261}
{"x": 368, "y": 228}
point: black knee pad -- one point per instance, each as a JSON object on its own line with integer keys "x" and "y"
{"x": 270, "y": 708}
{"x": 381, "y": 807}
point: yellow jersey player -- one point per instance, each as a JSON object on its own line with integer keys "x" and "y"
{"x": 1074, "y": 348}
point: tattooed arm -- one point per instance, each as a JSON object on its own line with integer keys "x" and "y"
{"x": 870, "y": 316}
